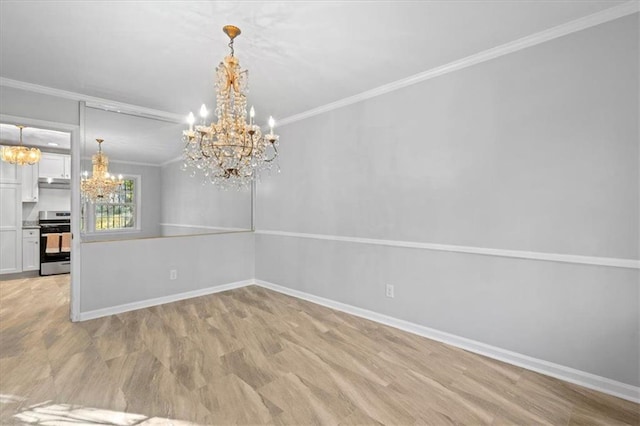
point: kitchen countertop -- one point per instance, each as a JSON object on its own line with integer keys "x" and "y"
{"x": 30, "y": 224}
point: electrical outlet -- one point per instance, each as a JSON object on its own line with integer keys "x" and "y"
{"x": 173, "y": 274}
{"x": 389, "y": 291}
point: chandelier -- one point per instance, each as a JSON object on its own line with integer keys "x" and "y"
{"x": 20, "y": 155}
{"x": 101, "y": 184}
{"x": 229, "y": 152}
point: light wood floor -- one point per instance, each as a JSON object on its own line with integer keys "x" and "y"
{"x": 252, "y": 356}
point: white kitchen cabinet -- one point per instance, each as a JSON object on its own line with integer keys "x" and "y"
{"x": 56, "y": 166}
{"x": 10, "y": 228}
{"x": 9, "y": 173}
{"x": 30, "y": 249}
{"x": 30, "y": 183}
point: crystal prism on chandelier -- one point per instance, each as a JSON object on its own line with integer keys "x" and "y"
{"x": 101, "y": 184}
{"x": 230, "y": 152}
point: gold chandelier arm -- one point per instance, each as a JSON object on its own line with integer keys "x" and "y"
{"x": 202, "y": 150}
{"x": 275, "y": 155}
{"x": 244, "y": 146}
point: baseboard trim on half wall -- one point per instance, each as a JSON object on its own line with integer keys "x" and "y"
{"x": 568, "y": 374}
{"x": 126, "y": 307}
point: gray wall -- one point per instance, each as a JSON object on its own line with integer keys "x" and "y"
{"x": 200, "y": 207}
{"x": 150, "y": 204}
{"x": 534, "y": 151}
{"x": 137, "y": 270}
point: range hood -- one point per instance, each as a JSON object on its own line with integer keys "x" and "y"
{"x": 55, "y": 183}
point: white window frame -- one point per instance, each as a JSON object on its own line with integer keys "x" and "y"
{"x": 90, "y": 220}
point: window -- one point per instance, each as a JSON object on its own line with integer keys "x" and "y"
{"x": 117, "y": 213}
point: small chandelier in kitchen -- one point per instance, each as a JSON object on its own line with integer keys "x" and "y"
{"x": 20, "y": 154}
{"x": 101, "y": 184}
{"x": 230, "y": 152}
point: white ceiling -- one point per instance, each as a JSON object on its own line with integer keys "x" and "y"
{"x": 300, "y": 54}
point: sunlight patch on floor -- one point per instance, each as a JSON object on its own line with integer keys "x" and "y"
{"x": 10, "y": 399}
{"x": 51, "y": 414}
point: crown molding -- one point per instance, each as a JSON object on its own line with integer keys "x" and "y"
{"x": 93, "y": 101}
{"x": 570, "y": 27}
{"x": 135, "y": 111}
{"x": 133, "y": 163}
{"x": 173, "y": 160}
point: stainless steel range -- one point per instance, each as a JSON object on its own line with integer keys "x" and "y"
{"x": 55, "y": 242}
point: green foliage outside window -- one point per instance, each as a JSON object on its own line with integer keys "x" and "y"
{"x": 116, "y": 212}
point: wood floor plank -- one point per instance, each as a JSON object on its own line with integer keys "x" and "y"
{"x": 232, "y": 401}
{"x": 85, "y": 379}
{"x": 254, "y": 356}
{"x": 298, "y": 403}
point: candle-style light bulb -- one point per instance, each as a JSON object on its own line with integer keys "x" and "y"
{"x": 252, "y": 113}
{"x": 119, "y": 177}
{"x": 272, "y": 123}
{"x": 203, "y": 111}
{"x": 191, "y": 119}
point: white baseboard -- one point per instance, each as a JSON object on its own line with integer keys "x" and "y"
{"x": 582, "y": 378}
{"x": 112, "y": 310}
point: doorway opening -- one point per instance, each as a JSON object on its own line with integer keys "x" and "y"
{"x": 40, "y": 257}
